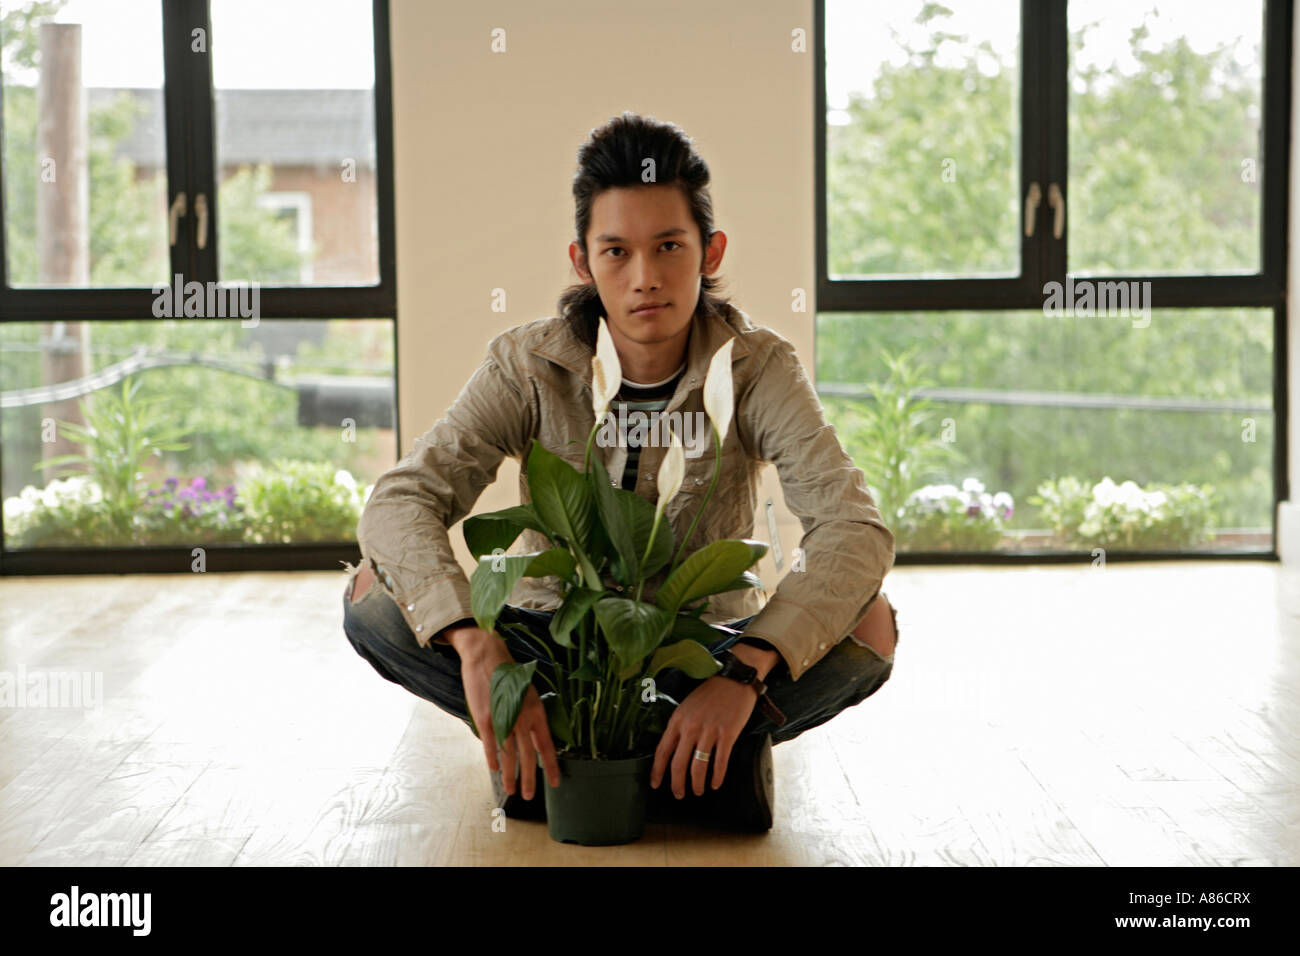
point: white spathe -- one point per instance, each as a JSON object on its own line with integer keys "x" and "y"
{"x": 606, "y": 371}
{"x": 672, "y": 471}
{"x": 719, "y": 391}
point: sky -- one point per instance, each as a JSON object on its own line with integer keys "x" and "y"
{"x": 326, "y": 43}
{"x": 859, "y": 38}
{"x": 293, "y": 44}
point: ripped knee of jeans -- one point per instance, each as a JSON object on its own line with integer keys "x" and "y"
{"x": 893, "y": 617}
{"x": 354, "y": 572}
{"x": 889, "y": 659}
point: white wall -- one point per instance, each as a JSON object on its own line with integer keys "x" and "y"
{"x": 486, "y": 146}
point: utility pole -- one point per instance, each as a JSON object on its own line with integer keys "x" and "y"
{"x": 62, "y": 212}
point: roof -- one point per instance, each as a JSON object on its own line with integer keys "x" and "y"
{"x": 280, "y": 127}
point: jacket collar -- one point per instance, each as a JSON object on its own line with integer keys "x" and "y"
{"x": 707, "y": 336}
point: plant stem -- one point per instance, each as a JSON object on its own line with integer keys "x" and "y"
{"x": 586, "y": 458}
{"x": 717, "y": 468}
{"x": 654, "y": 529}
{"x": 636, "y": 711}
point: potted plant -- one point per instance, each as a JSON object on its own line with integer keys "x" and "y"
{"x": 120, "y": 435}
{"x": 609, "y": 643}
{"x": 944, "y": 518}
{"x": 892, "y": 438}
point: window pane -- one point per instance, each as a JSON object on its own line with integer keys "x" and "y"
{"x": 1070, "y": 408}
{"x": 84, "y": 149}
{"x": 242, "y": 459}
{"x": 294, "y": 86}
{"x": 1164, "y": 126}
{"x": 922, "y": 139}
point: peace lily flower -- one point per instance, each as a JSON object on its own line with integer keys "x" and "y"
{"x": 672, "y": 471}
{"x": 720, "y": 404}
{"x": 719, "y": 392}
{"x": 606, "y": 376}
{"x": 606, "y": 371}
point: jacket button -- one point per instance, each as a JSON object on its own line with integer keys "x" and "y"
{"x": 411, "y": 607}
{"x": 822, "y": 646}
{"x": 420, "y": 627}
{"x": 805, "y": 662}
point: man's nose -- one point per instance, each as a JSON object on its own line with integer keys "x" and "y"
{"x": 645, "y": 274}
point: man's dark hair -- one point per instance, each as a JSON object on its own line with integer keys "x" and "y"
{"x": 614, "y": 156}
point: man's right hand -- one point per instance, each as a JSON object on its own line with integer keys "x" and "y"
{"x": 480, "y": 653}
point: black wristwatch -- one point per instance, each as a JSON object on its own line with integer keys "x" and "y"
{"x": 735, "y": 669}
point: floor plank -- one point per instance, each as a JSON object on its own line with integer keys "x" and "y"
{"x": 1037, "y": 716}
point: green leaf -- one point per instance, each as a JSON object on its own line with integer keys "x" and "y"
{"x": 558, "y": 719}
{"x": 490, "y": 585}
{"x": 747, "y": 579}
{"x": 60, "y": 460}
{"x": 510, "y": 682}
{"x": 633, "y": 629}
{"x": 577, "y": 602}
{"x": 689, "y": 628}
{"x": 689, "y": 657}
{"x": 588, "y": 671}
{"x": 499, "y": 529}
{"x": 578, "y": 722}
{"x": 561, "y": 497}
{"x": 641, "y": 514}
{"x": 557, "y": 561}
{"x": 615, "y": 517}
{"x": 708, "y": 571}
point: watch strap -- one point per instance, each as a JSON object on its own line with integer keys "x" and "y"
{"x": 736, "y": 669}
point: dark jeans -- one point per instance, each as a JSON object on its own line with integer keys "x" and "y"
{"x": 848, "y": 674}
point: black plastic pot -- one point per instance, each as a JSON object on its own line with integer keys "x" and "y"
{"x": 599, "y": 802}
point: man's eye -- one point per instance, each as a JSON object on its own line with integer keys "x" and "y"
{"x": 670, "y": 242}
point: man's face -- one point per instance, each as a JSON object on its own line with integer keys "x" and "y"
{"x": 644, "y": 246}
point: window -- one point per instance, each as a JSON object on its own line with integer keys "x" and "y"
{"x": 1050, "y": 271}
{"x": 294, "y": 208}
{"x": 197, "y": 249}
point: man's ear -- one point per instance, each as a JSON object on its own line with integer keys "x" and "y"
{"x": 579, "y": 262}
{"x": 712, "y": 259}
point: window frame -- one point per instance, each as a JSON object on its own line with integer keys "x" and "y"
{"x": 1044, "y": 99}
{"x": 189, "y": 118}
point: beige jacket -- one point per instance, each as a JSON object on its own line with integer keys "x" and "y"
{"x": 536, "y": 382}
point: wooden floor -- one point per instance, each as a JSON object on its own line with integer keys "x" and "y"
{"x": 1141, "y": 714}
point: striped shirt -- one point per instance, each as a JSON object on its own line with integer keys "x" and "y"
{"x": 650, "y": 399}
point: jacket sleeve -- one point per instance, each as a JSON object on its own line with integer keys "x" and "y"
{"x": 404, "y": 525}
{"x": 847, "y": 549}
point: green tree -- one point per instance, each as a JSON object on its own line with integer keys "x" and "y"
{"x": 228, "y": 418}
{"x": 1164, "y": 148}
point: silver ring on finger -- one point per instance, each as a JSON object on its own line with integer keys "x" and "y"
{"x": 701, "y": 755}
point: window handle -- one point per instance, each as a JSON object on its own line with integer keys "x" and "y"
{"x": 1032, "y": 199}
{"x": 201, "y": 210}
{"x": 1057, "y": 202}
{"x": 173, "y": 216}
